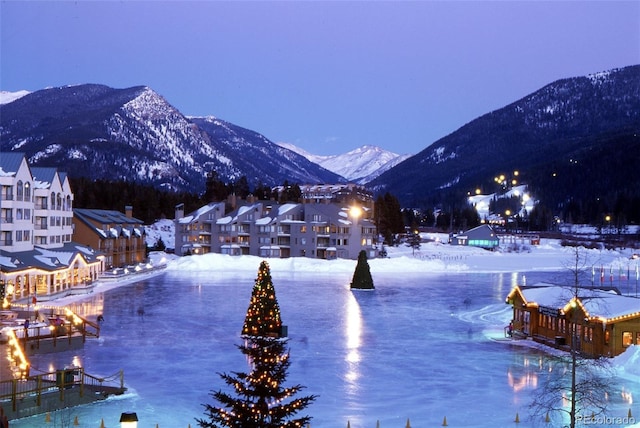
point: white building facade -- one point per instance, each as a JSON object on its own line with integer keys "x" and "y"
{"x": 37, "y": 255}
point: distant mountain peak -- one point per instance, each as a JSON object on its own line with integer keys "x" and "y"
{"x": 359, "y": 165}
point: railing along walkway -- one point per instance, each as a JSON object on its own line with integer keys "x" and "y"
{"x": 60, "y": 382}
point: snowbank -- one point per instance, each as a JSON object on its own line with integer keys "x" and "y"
{"x": 431, "y": 257}
{"x": 628, "y": 363}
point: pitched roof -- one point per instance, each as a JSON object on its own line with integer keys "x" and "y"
{"x": 47, "y": 259}
{"x": 105, "y": 216}
{"x": 10, "y": 162}
{"x": 44, "y": 175}
{"x": 596, "y": 303}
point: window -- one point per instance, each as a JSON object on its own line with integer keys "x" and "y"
{"x": 18, "y": 235}
{"x": 627, "y": 338}
{"x": 19, "y": 191}
{"x": 637, "y": 338}
{"x": 7, "y": 193}
{"x": 27, "y": 191}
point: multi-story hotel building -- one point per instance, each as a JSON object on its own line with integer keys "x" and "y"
{"x": 37, "y": 254}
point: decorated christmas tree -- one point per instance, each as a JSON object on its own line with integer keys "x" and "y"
{"x": 263, "y": 314}
{"x": 260, "y": 400}
{"x": 362, "y": 276}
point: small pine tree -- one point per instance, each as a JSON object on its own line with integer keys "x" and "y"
{"x": 260, "y": 400}
{"x": 414, "y": 242}
{"x": 362, "y": 276}
{"x": 263, "y": 314}
{"x": 160, "y": 245}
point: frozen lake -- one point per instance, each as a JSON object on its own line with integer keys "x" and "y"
{"x": 417, "y": 347}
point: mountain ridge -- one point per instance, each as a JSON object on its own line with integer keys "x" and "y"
{"x": 134, "y": 133}
{"x": 562, "y": 122}
{"x": 566, "y": 140}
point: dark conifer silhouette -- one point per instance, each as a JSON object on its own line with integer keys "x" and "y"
{"x": 362, "y": 276}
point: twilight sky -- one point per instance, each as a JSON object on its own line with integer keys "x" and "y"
{"x": 327, "y": 76}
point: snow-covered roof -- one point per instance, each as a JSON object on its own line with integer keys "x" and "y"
{"x": 224, "y": 220}
{"x": 263, "y": 221}
{"x": 286, "y": 207}
{"x": 607, "y": 305}
{"x": 48, "y": 259}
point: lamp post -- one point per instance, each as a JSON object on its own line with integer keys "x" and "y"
{"x": 355, "y": 212}
{"x": 128, "y": 420}
{"x": 507, "y": 213}
{"x": 607, "y": 218}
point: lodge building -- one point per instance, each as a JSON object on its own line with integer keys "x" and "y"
{"x": 592, "y": 321}
{"x": 37, "y": 255}
{"x": 118, "y": 236}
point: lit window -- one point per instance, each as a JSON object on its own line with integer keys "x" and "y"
{"x": 627, "y": 338}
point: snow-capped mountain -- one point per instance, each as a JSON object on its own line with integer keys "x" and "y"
{"x": 576, "y": 139}
{"x": 7, "y": 97}
{"x": 134, "y": 134}
{"x": 359, "y": 166}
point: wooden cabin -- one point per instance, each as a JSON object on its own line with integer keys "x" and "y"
{"x": 597, "y": 322}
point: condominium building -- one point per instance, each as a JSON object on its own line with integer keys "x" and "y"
{"x": 267, "y": 229}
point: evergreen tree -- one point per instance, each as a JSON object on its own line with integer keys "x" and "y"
{"x": 414, "y": 242}
{"x": 215, "y": 189}
{"x": 160, "y": 245}
{"x": 362, "y": 276}
{"x": 263, "y": 314}
{"x": 388, "y": 217}
{"x": 260, "y": 400}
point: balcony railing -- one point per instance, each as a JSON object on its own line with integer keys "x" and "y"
{"x": 6, "y": 219}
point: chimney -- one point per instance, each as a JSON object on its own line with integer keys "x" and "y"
{"x": 128, "y": 211}
{"x": 232, "y": 200}
{"x": 179, "y": 211}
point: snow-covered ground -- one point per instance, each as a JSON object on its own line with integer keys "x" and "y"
{"x": 367, "y": 355}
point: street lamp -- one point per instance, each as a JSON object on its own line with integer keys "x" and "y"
{"x": 128, "y": 420}
{"x": 355, "y": 212}
{"x": 607, "y": 218}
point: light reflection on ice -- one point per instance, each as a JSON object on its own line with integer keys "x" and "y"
{"x": 353, "y": 331}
